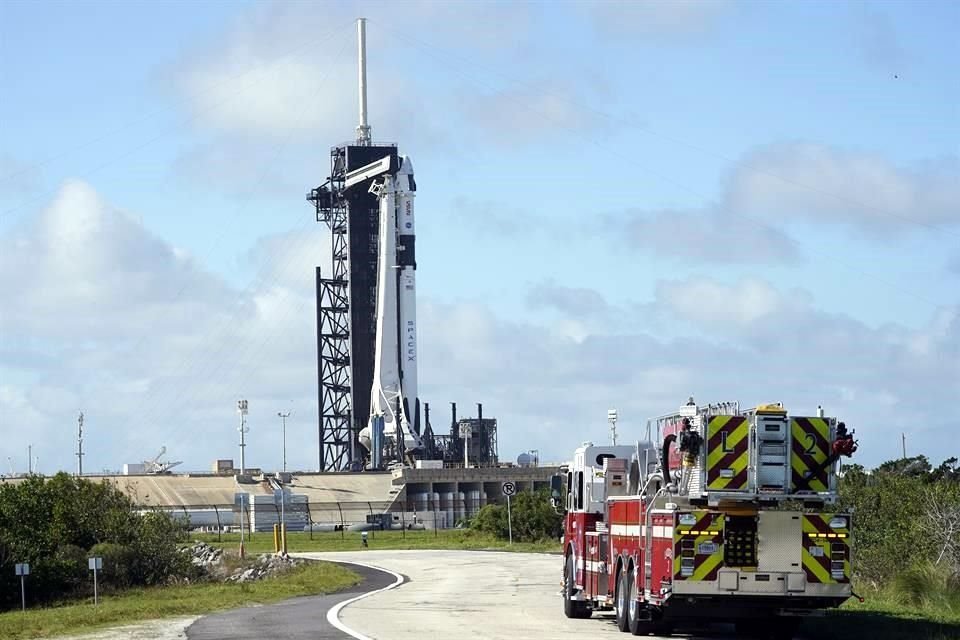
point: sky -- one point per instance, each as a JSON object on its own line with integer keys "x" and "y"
{"x": 619, "y": 205}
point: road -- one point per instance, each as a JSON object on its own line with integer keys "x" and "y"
{"x": 296, "y": 619}
{"x": 467, "y": 595}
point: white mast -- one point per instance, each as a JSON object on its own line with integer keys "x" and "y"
{"x": 363, "y": 129}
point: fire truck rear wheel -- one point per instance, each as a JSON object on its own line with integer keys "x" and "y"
{"x": 620, "y": 598}
{"x": 637, "y": 626}
{"x": 572, "y": 608}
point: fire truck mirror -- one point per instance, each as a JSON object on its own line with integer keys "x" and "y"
{"x": 556, "y": 486}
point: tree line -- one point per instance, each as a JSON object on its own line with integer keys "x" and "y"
{"x": 57, "y": 523}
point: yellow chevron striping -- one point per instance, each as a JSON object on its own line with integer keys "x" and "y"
{"x": 733, "y": 439}
{"x": 738, "y": 465}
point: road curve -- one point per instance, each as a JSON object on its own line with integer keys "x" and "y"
{"x": 303, "y": 618}
{"x": 467, "y": 595}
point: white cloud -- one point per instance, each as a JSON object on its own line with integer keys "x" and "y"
{"x": 702, "y": 236}
{"x": 713, "y": 304}
{"x": 776, "y": 185}
{"x": 289, "y": 70}
{"x": 814, "y": 182}
{"x": 101, "y": 316}
{"x": 576, "y": 302}
{"x": 521, "y": 114}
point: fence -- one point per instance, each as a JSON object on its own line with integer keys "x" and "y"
{"x": 437, "y": 511}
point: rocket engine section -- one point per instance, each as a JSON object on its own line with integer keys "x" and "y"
{"x": 393, "y": 400}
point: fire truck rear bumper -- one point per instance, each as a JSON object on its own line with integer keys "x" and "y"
{"x": 765, "y": 584}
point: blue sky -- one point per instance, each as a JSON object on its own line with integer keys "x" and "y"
{"x": 620, "y": 204}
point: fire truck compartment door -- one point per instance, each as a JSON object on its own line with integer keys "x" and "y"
{"x": 729, "y": 580}
{"x": 728, "y": 453}
{"x": 796, "y": 582}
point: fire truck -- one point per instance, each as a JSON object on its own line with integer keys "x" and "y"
{"x": 722, "y": 515}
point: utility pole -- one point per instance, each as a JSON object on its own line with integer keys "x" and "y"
{"x": 283, "y": 420}
{"x": 612, "y": 419}
{"x": 80, "y": 445}
{"x": 242, "y": 410}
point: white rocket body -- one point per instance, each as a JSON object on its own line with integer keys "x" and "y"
{"x": 394, "y": 393}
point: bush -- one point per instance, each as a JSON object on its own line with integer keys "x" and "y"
{"x": 531, "y": 514}
{"x": 118, "y": 562}
{"x": 56, "y": 523}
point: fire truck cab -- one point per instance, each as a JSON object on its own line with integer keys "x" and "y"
{"x": 727, "y": 518}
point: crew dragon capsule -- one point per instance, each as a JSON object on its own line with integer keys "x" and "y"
{"x": 393, "y": 397}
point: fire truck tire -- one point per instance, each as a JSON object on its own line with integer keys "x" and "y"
{"x": 637, "y": 626}
{"x": 620, "y": 600}
{"x": 572, "y": 608}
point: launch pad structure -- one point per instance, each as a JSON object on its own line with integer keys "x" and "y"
{"x": 366, "y": 317}
{"x": 346, "y": 305}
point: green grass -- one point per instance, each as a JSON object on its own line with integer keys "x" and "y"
{"x": 158, "y": 602}
{"x": 891, "y": 615}
{"x": 351, "y": 541}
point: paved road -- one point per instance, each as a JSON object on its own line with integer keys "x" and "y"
{"x": 468, "y": 595}
{"x": 296, "y": 619}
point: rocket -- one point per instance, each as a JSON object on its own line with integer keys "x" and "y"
{"x": 394, "y": 405}
{"x": 407, "y": 301}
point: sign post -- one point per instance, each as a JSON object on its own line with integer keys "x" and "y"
{"x": 23, "y": 570}
{"x": 239, "y": 499}
{"x": 95, "y": 564}
{"x": 280, "y": 495}
{"x": 509, "y": 489}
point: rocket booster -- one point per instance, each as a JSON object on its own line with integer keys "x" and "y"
{"x": 407, "y": 297}
{"x": 394, "y": 391}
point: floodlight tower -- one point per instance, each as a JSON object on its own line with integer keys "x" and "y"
{"x": 612, "y": 419}
{"x": 80, "y": 445}
{"x": 242, "y": 407}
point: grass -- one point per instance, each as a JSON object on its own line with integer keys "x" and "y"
{"x": 158, "y": 602}
{"x": 918, "y": 605}
{"x": 351, "y": 541}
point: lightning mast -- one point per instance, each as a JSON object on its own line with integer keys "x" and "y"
{"x": 80, "y": 445}
{"x": 363, "y": 129}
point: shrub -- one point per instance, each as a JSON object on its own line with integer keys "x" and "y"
{"x": 118, "y": 562}
{"x": 56, "y": 523}
{"x": 532, "y": 517}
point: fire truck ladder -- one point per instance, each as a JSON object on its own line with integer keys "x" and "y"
{"x": 648, "y": 540}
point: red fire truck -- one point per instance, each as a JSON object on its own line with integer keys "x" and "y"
{"x": 730, "y": 517}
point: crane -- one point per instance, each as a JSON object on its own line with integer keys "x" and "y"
{"x": 154, "y": 466}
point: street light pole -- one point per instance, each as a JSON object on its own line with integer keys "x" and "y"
{"x": 283, "y": 420}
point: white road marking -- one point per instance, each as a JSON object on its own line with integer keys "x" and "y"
{"x": 333, "y": 615}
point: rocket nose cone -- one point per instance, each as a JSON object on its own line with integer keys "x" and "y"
{"x": 406, "y": 166}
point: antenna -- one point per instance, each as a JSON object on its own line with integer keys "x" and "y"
{"x": 80, "y": 445}
{"x": 612, "y": 419}
{"x": 363, "y": 129}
